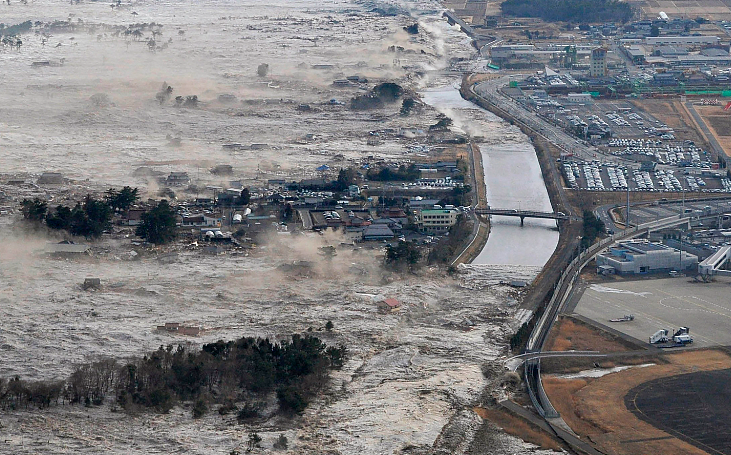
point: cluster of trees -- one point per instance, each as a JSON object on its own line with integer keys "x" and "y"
{"x": 442, "y": 125}
{"x": 92, "y": 217}
{"x": 346, "y": 177}
{"x": 403, "y": 255}
{"x": 377, "y": 97}
{"x": 245, "y": 370}
{"x": 460, "y": 196}
{"x": 403, "y": 173}
{"x": 187, "y": 101}
{"x": 406, "y": 106}
{"x": 9, "y": 34}
{"x": 448, "y": 246}
{"x": 89, "y": 218}
{"x": 158, "y": 225}
{"x": 593, "y": 228}
{"x": 577, "y": 11}
{"x": 11, "y": 41}
{"x": 17, "y": 29}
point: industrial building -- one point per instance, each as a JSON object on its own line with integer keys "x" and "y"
{"x": 681, "y": 40}
{"x": 641, "y": 256}
{"x": 579, "y": 98}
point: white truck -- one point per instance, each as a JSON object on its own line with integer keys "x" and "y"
{"x": 682, "y": 336}
{"x": 683, "y": 339}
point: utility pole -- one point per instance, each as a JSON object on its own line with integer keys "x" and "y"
{"x": 626, "y": 219}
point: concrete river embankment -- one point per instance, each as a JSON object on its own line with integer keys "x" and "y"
{"x": 513, "y": 180}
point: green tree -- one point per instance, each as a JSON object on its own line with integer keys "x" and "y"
{"x": 90, "y": 219}
{"x": 288, "y": 212}
{"x": 244, "y": 197}
{"x": 253, "y": 442}
{"x": 655, "y": 30}
{"x": 403, "y": 254}
{"x": 443, "y": 124}
{"x": 406, "y": 106}
{"x": 122, "y": 200}
{"x": 158, "y": 225}
{"x": 593, "y": 227}
{"x": 388, "y": 92}
{"x": 346, "y": 177}
{"x": 60, "y": 218}
{"x": 33, "y": 210}
{"x": 281, "y": 443}
{"x": 199, "y": 409}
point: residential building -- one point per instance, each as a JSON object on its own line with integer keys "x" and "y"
{"x": 133, "y": 217}
{"x": 202, "y": 219}
{"x": 66, "y": 248}
{"x": 389, "y": 305}
{"x": 178, "y": 178}
{"x": 377, "y": 232}
{"x": 395, "y": 214}
{"x": 50, "y": 178}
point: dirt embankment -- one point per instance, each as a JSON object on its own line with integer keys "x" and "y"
{"x": 595, "y": 408}
{"x": 572, "y": 334}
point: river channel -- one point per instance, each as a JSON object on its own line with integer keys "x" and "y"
{"x": 513, "y": 181}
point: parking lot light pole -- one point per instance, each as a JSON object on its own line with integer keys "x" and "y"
{"x": 626, "y": 218}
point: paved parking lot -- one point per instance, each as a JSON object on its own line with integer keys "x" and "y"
{"x": 647, "y": 214}
{"x": 666, "y": 303}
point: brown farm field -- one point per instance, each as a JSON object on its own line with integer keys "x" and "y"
{"x": 595, "y": 408}
{"x": 673, "y": 114}
{"x": 715, "y": 9}
{"x": 719, "y": 123}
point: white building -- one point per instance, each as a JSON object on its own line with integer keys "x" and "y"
{"x": 681, "y": 40}
{"x": 436, "y": 221}
{"x": 579, "y": 97}
{"x": 641, "y": 256}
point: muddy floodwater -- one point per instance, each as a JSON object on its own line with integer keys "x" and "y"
{"x": 127, "y": 95}
{"x": 513, "y": 180}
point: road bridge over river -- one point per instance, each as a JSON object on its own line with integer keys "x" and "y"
{"x": 523, "y": 214}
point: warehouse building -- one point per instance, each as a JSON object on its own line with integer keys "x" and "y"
{"x": 641, "y": 256}
{"x": 682, "y": 40}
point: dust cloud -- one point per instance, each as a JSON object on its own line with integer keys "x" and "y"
{"x": 407, "y": 373}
